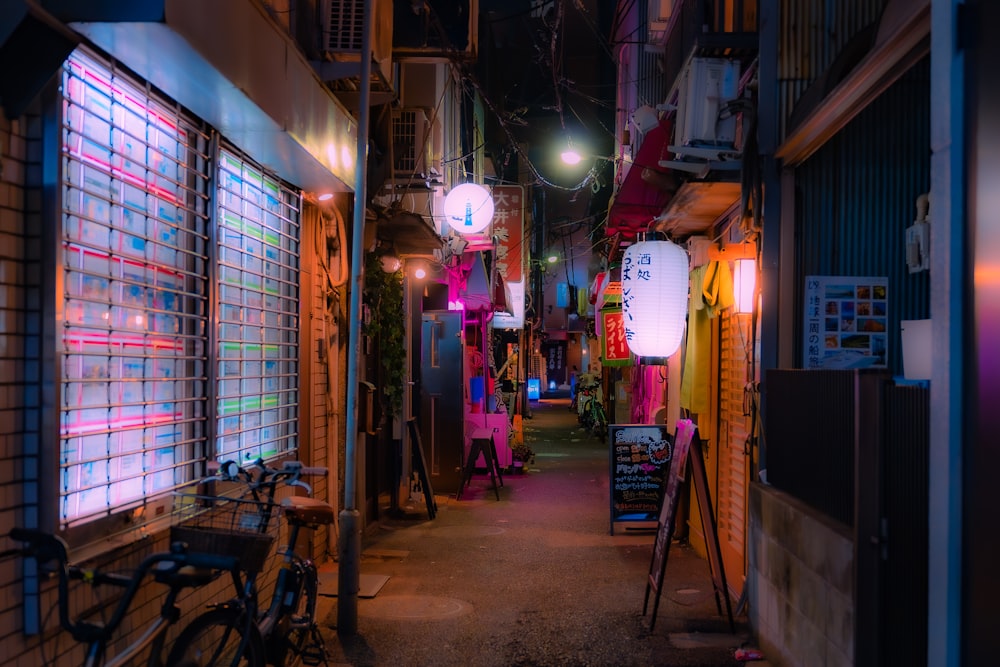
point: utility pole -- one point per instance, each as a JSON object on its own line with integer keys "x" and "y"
{"x": 349, "y": 551}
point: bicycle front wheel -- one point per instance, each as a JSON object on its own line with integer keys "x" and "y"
{"x": 215, "y": 639}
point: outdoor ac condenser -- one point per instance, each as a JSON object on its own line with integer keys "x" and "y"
{"x": 704, "y": 87}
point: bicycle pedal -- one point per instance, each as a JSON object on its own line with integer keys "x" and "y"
{"x": 313, "y": 655}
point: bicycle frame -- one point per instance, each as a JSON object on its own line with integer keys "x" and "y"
{"x": 298, "y": 576}
{"x": 175, "y": 569}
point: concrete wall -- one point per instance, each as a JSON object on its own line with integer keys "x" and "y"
{"x": 801, "y": 582}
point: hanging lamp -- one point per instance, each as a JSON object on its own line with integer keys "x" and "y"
{"x": 654, "y": 296}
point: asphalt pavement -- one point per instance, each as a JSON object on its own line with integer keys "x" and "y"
{"x": 533, "y": 579}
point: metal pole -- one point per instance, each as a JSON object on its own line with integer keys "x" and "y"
{"x": 349, "y": 552}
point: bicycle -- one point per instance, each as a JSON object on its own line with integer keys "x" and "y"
{"x": 590, "y": 406}
{"x": 288, "y": 625}
{"x": 177, "y": 569}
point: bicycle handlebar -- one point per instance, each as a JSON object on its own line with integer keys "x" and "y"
{"x": 290, "y": 473}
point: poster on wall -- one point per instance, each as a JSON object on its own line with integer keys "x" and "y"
{"x": 846, "y": 322}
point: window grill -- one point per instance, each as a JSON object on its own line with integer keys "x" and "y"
{"x": 258, "y": 250}
{"x": 134, "y": 294}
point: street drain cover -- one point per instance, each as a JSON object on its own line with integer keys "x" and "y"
{"x": 414, "y": 607}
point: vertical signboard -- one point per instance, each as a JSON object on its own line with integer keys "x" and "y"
{"x": 614, "y": 347}
{"x": 640, "y": 457}
{"x": 508, "y": 230}
{"x": 845, "y": 322}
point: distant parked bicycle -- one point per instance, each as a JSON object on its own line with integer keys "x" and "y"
{"x": 590, "y": 405}
{"x": 288, "y": 627}
{"x": 176, "y": 569}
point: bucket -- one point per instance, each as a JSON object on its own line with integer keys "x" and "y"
{"x": 917, "y": 349}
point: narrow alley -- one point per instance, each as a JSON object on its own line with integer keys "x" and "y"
{"x": 534, "y": 578}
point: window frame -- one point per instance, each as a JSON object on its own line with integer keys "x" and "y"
{"x": 120, "y": 524}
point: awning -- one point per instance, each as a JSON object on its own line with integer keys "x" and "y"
{"x": 643, "y": 194}
{"x": 409, "y": 234}
{"x": 231, "y": 65}
{"x": 475, "y": 293}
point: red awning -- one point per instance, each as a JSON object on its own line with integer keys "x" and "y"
{"x": 640, "y": 199}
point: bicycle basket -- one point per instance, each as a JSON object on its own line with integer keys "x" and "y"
{"x": 224, "y": 526}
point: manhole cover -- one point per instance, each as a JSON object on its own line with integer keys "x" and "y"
{"x": 414, "y": 607}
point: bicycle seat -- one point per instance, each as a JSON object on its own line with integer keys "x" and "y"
{"x": 187, "y": 576}
{"x": 307, "y": 511}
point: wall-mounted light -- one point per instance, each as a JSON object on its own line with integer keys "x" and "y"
{"x": 654, "y": 296}
{"x": 468, "y": 208}
{"x": 390, "y": 261}
{"x": 744, "y": 282}
{"x": 326, "y": 196}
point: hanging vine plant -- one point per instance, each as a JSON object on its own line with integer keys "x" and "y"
{"x": 383, "y": 294}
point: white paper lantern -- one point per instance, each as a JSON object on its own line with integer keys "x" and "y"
{"x": 654, "y": 297}
{"x": 468, "y": 208}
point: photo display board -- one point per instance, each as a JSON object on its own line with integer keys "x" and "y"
{"x": 846, "y": 321}
{"x": 640, "y": 457}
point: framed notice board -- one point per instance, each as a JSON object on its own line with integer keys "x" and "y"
{"x": 640, "y": 457}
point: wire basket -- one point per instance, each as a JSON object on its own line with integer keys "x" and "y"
{"x": 238, "y": 527}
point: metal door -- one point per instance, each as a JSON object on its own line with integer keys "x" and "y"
{"x": 442, "y": 397}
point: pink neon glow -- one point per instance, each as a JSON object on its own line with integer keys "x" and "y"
{"x": 89, "y": 427}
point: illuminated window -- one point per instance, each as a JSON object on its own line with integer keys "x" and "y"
{"x": 133, "y": 332}
{"x": 142, "y": 276}
{"x": 258, "y": 249}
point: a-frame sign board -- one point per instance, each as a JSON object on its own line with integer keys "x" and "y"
{"x": 420, "y": 466}
{"x": 687, "y": 445}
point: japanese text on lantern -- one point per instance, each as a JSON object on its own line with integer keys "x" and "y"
{"x": 642, "y": 269}
{"x": 508, "y": 229}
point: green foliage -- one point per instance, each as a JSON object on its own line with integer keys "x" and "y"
{"x": 383, "y": 294}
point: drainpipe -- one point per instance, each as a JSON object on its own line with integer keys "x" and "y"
{"x": 349, "y": 552}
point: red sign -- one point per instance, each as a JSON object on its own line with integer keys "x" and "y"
{"x": 614, "y": 348}
{"x": 508, "y": 228}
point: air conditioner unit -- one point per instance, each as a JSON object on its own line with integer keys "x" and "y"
{"x": 344, "y": 26}
{"x": 704, "y": 88}
{"x": 411, "y": 132}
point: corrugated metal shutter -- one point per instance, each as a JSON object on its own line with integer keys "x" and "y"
{"x": 734, "y": 429}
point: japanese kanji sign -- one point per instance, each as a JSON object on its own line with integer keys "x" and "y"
{"x": 614, "y": 347}
{"x": 508, "y": 229}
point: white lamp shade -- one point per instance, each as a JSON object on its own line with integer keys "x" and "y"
{"x": 468, "y": 208}
{"x": 654, "y": 297}
{"x": 744, "y": 277}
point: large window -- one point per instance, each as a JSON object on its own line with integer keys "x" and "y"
{"x": 136, "y": 350}
{"x": 257, "y": 406}
{"x": 134, "y": 287}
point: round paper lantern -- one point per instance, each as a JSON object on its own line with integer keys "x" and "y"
{"x": 468, "y": 208}
{"x": 654, "y": 297}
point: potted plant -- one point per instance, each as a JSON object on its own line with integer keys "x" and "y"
{"x": 523, "y": 455}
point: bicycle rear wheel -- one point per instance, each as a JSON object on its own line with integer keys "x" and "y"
{"x": 298, "y": 636}
{"x": 215, "y": 639}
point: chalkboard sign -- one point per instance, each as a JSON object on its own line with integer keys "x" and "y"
{"x": 640, "y": 456}
{"x": 687, "y": 446}
{"x": 668, "y": 513}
